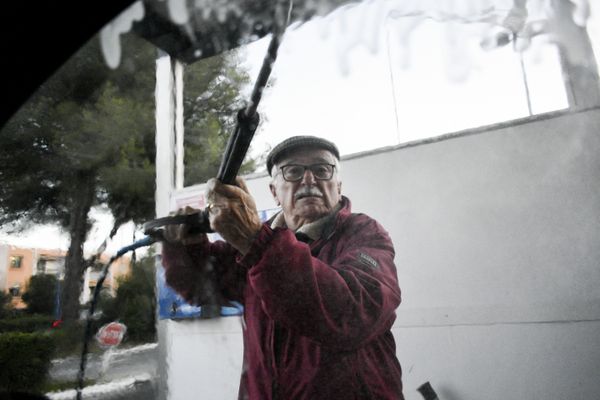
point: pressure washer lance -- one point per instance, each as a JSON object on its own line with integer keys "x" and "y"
{"x": 239, "y": 141}
{"x": 237, "y": 147}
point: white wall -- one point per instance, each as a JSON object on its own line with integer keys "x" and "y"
{"x": 497, "y": 239}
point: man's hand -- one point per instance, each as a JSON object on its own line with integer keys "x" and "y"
{"x": 232, "y": 213}
{"x": 179, "y": 233}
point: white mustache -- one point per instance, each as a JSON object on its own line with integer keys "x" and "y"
{"x": 307, "y": 191}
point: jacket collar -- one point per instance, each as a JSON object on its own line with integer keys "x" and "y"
{"x": 321, "y": 228}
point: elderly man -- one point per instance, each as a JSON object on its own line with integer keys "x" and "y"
{"x": 318, "y": 282}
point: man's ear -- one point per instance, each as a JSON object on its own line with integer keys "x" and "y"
{"x": 274, "y": 193}
{"x": 339, "y": 188}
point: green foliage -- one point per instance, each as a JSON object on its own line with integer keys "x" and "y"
{"x": 46, "y": 146}
{"x": 68, "y": 339}
{"x": 40, "y": 295}
{"x": 5, "y": 304}
{"x": 135, "y": 302}
{"x": 24, "y": 361}
{"x": 210, "y": 114}
{"x": 26, "y": 323}
{"x": 98, "y": 123}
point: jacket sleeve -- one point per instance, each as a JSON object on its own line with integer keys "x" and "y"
{"x": 205, "y": 272}
{"x": 344, "y": 303}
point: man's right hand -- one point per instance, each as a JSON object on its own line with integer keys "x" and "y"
{"x": 233, "y": 213}
{"x": 180, "y": 233}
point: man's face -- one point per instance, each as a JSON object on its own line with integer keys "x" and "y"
{"x": 307, "y": 199}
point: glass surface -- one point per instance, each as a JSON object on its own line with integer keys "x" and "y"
{"x": 474, "y": 148}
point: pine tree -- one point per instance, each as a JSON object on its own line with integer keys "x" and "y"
{"x": 86, "y": 138}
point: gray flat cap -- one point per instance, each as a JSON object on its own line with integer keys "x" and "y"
{"x": 295, "y": 142}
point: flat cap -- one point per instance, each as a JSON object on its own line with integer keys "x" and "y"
{"x": 295, "y": 142}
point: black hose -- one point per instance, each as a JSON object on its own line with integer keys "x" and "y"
{"x": 88, "y": 325}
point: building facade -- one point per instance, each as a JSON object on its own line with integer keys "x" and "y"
{"x": 19, "y": 264}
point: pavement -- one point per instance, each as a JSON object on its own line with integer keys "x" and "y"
{"x": 129, "y": 373}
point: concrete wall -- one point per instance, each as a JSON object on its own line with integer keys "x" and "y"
{"x": 498, "y": 249}
{"x": 497, "y": 238}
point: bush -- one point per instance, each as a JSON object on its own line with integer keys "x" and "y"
{"x": 24, "y": 361}
{"x": 26, "y": 324}
{"x": 40, "y": 295}
{"x": 5, "y": 304}
{"x": 135, "y": 302}
{"x": 68, "y": 339}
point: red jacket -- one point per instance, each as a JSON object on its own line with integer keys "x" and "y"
{"x": 317, "y": 317}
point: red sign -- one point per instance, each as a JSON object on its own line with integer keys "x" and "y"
{"x": 111, "y": 334}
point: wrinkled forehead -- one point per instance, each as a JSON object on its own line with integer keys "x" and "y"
{"x": 306, "y": 156}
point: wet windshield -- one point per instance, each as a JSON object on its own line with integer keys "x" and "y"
{"x": 467, "y": 129}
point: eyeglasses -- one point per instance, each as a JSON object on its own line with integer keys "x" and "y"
{"x": 295, "y": 172}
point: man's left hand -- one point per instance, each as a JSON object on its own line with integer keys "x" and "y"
{"x": 232, "y": 213}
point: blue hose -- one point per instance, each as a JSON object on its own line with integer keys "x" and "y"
{"x": 146, "y": 241}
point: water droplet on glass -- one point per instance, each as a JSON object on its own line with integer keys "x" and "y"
{"x": 178, "y": 11}
{"x": 109, "y": 35}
